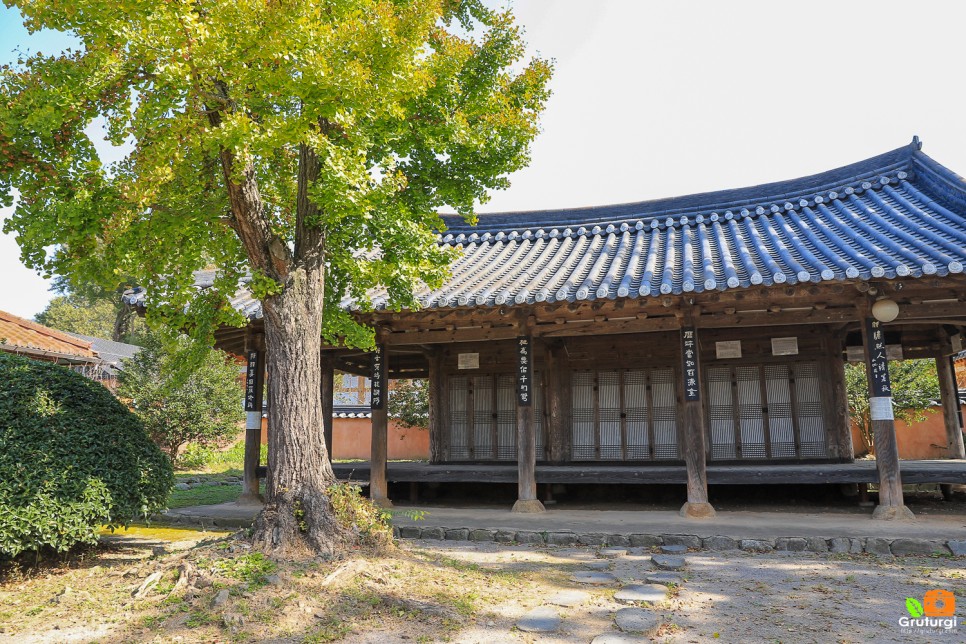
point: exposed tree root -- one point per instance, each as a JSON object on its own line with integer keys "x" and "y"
{"x": 300, "y": 525}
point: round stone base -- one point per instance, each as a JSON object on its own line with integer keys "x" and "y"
{"x": 528, "y": 506}
{"x": 697, "y": 511}
{"x": 893, "y": 513}
{"x": 382, "y": 502}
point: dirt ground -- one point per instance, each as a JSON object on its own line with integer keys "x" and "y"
{"x": 430, "y": 591}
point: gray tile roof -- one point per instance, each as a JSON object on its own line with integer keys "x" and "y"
{"x": 109, "y": 351}
{"x": 895, "y": 215}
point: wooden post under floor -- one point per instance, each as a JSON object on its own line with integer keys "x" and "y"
{"x": 253, "y": 425}
{"x": 527, "y": 500}
{"x": 891, "y": 502}
{"x": 697, "y": 506}
{"x": 950, "y": 402}
{"x": 378, "y": 485}
{"x": 326, "y": 391}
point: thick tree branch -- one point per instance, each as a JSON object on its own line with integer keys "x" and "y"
{"x": 265, "y": 251}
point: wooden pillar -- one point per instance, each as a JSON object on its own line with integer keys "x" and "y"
{"x": 838, "y": 434}
{"x": 557, "y": 381}
{"x": 697, "y": 506}
{"x": 326, "y": 391}
{"x": 891, "y": 504}
{"x": 950, "y": 402}
{"x": 437, "y": 424}
{"x": 378, "y": 486}
{"x": 254, "y": 383}
{"x": 527, "y": 500}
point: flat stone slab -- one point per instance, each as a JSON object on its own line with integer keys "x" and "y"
{"x": 593, "y": 578}
{"x": 637, "y": 620}
{"x": 668, "y": 562}
{"x": 569, "y": 598}
{"x": 617, "y": 638}
{"x": 540, "y": 620}
{"x": 653, "y": 593}
{"x": 613, "y": 553}
{"x": 677, "y": 548}
{"x": 598, "y": 565}
{"x": 665, "y": 577}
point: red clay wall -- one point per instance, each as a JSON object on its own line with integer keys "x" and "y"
{"x": 352, "y": 438}
{"x": 923, "y": 440}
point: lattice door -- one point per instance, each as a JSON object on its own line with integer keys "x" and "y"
{"x": 623, "y": 415}
{"x": 766, "y": 411}
{"x": 483, "y": 417}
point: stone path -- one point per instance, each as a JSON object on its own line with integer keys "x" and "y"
{"x": 707, "y": 595}
{"x": 639, "y": 619}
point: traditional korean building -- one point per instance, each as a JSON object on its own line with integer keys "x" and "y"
{"x": 664, "y": 340}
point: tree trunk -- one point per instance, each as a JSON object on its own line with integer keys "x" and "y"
{"x": 298, "y": 517}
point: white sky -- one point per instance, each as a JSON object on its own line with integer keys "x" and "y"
{"x": 662, "y": 99}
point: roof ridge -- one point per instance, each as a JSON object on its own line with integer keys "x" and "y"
{"x": 749, "y": 197}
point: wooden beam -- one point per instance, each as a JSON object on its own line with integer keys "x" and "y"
{"x": 437, "y": 422}
{"x": 950, "y": 403}
{"x": 326, "y": 392}
{"x": 378, "y": 487}
{"x": 253, "y": 428}
{"x": 695, "y": 450}
{"x": 527, "y": 501}
{"x": 891, "y": 502}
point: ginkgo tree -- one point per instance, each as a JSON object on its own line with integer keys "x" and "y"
{"x": 304, "y": 144}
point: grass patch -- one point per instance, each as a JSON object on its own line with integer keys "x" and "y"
{"x": 204, "y": 495}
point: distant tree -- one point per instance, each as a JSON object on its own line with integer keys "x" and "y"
{"x": 915, "y": 387}
{"x": 203, "y": 406}
{"x": 76, "y": 314}
{"x": 409, "y": 402}
{"x": 89, "y": 309}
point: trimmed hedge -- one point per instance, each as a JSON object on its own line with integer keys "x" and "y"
{"x": 72, "y": 458}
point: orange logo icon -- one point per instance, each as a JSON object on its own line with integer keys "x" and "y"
{"x": 939, "y": 603}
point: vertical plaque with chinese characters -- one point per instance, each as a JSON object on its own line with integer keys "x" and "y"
{"x": 879, "y": 384}
{"x": 689, "y": 351}
{"x": 378, "y": 384}
{"x": 524, "y": 371}
{"x": 254, "y": 378}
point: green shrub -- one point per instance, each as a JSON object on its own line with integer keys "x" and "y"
{"x": 72, "y": 458}
{"x": 359, "y": 515}
{"x": 195, "y": 457}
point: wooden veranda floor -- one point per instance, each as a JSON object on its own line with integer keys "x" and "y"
{"x": 938, "y": 471}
